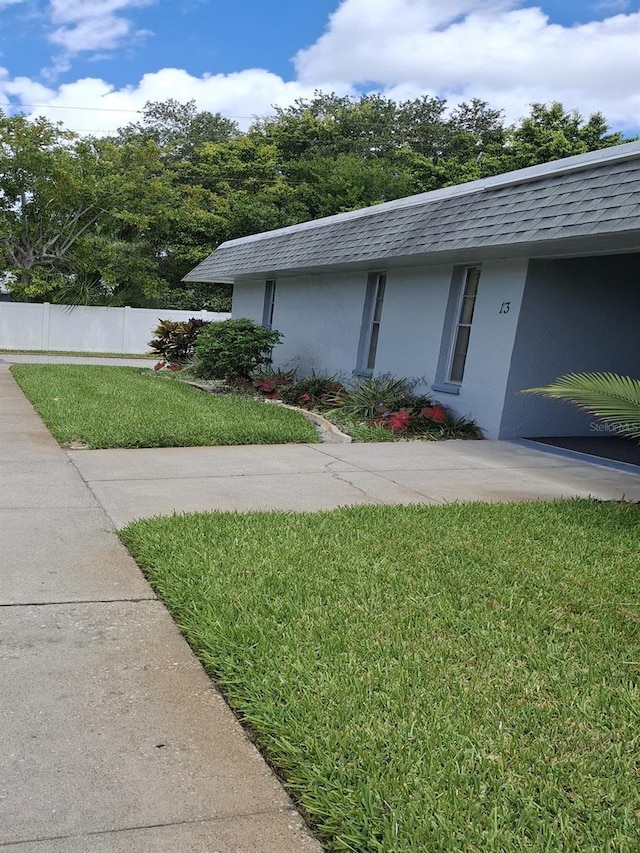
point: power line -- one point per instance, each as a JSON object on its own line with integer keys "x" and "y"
{"x": 61, "y": 107}
{"x": 94, "y": 109}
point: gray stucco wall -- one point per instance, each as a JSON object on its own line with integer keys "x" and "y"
{"x": 493, "y": 331}
{"x": 412, "y": 317}
{"x": 248, "y": 300}
{"x": 321, "y": 317}
{"x": 579, "y": 314}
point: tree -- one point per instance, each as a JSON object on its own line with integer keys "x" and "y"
{"x": 550, "y": 132}
{"x": 228, "y": 190}
{"x": 179, "y": 129}
{"x": 77, "y": 214}
{"x": 124, "y": 219}
{"x": 45, "y": 201}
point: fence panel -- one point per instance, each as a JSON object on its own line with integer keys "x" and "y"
{"x": 85, "y": 328}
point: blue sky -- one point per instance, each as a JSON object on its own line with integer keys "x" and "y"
{"x": 85, "y": 59}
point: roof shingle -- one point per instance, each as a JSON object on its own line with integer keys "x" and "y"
{"x": 581, "y": 197}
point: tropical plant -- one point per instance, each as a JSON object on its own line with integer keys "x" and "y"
{"x": 175, "y": 340}
{"x": 371, "y": 396}
{"x": 612, "y": 398}
{"x": 314, "y": 391}
{"x": 271, "y": 382}
{"x": 234, "y": 349}
{"x": 380, "y": 406}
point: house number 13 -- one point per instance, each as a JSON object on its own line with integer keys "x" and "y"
{"x": 504, "y": 308}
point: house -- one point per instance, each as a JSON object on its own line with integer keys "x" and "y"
{"x": 482, "y": 289}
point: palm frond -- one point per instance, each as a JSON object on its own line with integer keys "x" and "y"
{"x": 613, "y": 398}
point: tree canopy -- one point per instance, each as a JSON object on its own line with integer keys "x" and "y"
{"x": 121, "y": 219}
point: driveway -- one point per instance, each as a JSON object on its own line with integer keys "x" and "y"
{"x": 132, "y": 484}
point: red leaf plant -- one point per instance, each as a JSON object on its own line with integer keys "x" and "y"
{"x": 436, "y": 413}
{"x": 397, "y": 421}
{"x": 269, "y": 388}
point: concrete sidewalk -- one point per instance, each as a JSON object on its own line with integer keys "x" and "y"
{"x": 104, "y": 361}
{"x": 136, "y": 483}
{"x": 112, "y": 738}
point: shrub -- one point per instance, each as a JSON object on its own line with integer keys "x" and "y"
{"x": 175, "y": 340}
{"x": 314, "y": 391}
{"x": 370, "y": 397}
{"x": 271, "y": 382}
{"x": 387, "y": 403}
{"x": 233, "y": 349}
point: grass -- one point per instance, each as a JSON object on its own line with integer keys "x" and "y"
{"x": 456, "y": 678}
{"x": 132, "y": 407}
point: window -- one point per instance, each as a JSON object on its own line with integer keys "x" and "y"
{"x": 269, "y": 303}
{"x": 467, "y": 304}
{"x": 371, "y": 318}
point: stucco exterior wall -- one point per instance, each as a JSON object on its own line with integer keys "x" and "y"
{"x": 578, "y": 315}
{"x": 495, "y": 321}
{"x": 321, "y": 318}
{"x": 248, "y": 300}
{"x": 413, "y": 314}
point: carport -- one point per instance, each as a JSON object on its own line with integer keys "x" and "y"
{"x": 578, "y": 315}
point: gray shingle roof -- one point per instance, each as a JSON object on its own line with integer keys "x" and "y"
{"x": 584, "y": 201}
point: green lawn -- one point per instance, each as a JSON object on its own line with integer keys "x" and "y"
{"x": 131, "y": 407}
{"x": 455, "y": 678}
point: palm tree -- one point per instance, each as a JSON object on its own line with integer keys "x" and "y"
{"x": 613, "y": 398}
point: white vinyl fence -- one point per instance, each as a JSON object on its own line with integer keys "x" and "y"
{"x": 84, "y": 328}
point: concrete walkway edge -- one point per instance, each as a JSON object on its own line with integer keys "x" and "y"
{"x": 112, "y": 737}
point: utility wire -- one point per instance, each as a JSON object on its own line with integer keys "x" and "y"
{"x": 61, "y": 107}
{"x": 94, "y": 109}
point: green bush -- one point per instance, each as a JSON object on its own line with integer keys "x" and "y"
{"x": 233, "y": 349}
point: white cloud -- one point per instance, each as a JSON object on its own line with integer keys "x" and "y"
{"x": 90, "y": 25}
{"x": 492, "y": 49}
{"x": 240, "y": 96}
